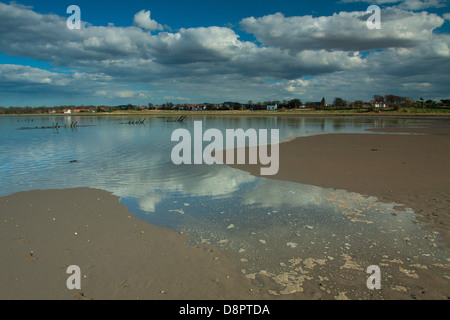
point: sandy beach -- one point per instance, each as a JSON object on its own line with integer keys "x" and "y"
{"x": 122, "y": 257}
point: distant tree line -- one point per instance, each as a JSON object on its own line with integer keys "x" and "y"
{"x": 387, "y": 101}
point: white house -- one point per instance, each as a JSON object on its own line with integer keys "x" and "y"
{"x": 272, "y": 107}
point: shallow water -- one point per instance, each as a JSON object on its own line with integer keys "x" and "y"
{"x": 286, "y": 230}
{"x": 135, "y": 159}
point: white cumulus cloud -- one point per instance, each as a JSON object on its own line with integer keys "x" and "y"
{"x": 142, "y": 19}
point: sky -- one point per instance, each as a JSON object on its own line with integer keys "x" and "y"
{"x": 199, "y": 51}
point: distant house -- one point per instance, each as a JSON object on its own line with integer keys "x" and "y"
{"x": 272, "y": 107}
{"x": 379, "y": 105}
{"x": 67, "y": 111}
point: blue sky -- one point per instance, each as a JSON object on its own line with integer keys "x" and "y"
{"x": 199, "y": 13}
{"x": 215, "y": 51}
{"x": 192, "y": 13}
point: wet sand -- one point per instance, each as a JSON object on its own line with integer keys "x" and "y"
{"x": 122, "y": 257}
{"x": 413, "y": 170}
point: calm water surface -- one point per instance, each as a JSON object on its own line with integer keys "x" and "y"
{"x": 281, "y": 229}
